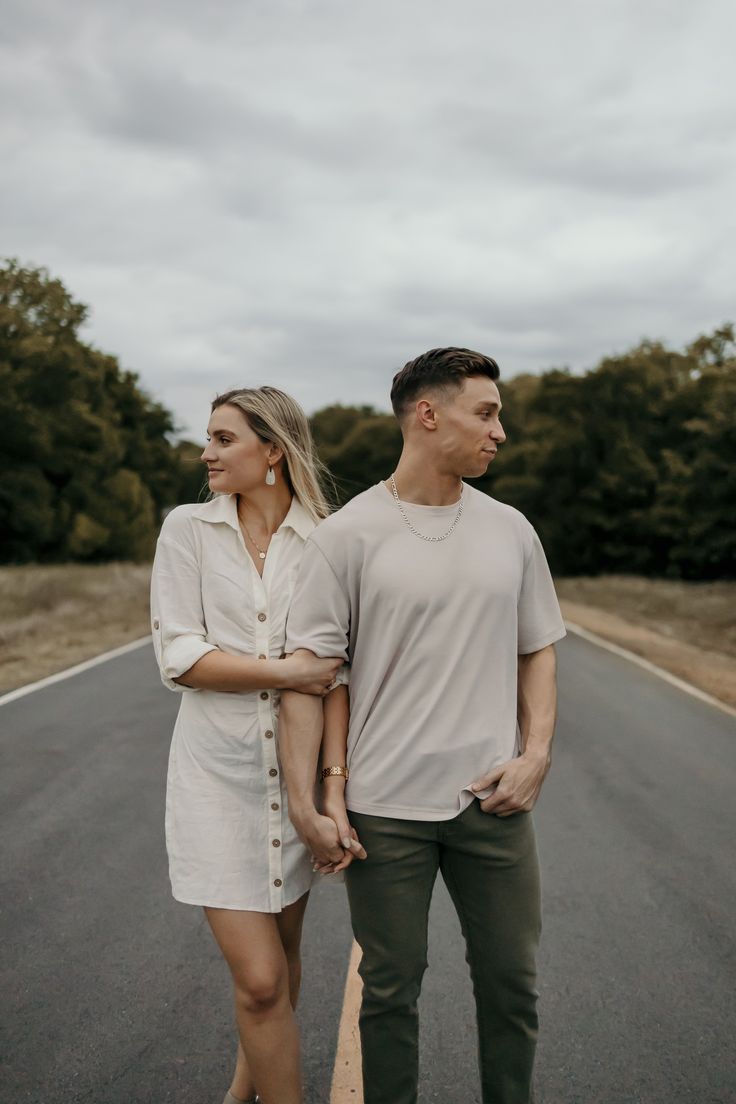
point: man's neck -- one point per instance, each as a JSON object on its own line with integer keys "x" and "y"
{"x": 422, "y": 481}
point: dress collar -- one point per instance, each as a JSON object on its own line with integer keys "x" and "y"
{"x": 224, "y": 508}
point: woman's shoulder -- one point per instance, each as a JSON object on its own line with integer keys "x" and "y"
{"x": 178, "y": 522}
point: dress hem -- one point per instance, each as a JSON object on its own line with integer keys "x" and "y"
{"x": 242, "y": 908}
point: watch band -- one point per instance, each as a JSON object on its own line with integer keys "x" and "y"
{"x": 342, "y": 771}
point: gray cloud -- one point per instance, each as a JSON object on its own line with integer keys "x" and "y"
{"x": 309, "y": 193}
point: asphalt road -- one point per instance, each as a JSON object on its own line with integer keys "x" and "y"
{"x": 113, "y": 993}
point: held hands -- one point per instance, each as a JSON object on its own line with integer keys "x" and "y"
{"x": 332, "y": 843}
{"x": 309, "y": 675}
{"x": 356, "y": 851}
{"x": 334, "y": 807}
{"x": 517, "y": 785}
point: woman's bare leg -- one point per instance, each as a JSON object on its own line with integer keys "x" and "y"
{"x": 289, "y": 923}
{"x": 262, "y": 976}
{"x": 242, "y": 1086}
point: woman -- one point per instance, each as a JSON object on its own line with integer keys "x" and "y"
{"x": 222, "y": 581}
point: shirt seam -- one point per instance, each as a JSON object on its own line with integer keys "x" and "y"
{"x": 330, "y": 565}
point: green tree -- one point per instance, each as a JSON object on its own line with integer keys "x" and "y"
{"x": 359, "y": 445}
{"x": 696, "y": 505}
{"x": 629, "y": 467}
{"x": 90, "y": 453}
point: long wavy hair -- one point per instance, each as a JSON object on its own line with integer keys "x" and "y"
{"x": 275, "y": 417}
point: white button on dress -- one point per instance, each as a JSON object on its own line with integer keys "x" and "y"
{"x": 228, "y": 834}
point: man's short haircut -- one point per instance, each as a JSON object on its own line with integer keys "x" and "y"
{"x": 438, "y": 370}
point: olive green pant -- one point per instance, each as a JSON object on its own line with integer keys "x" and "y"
{"x": 489, "y": 865}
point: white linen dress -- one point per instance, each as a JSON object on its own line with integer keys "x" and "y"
{"x": 229, "y": 838}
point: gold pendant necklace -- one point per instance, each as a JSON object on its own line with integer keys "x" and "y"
{"x": 252, "y": 540}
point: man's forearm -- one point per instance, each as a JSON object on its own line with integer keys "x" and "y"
{"x": 300, "y": 736}
{"x": 537, "y": 701}
{"x": 516, "y": 784}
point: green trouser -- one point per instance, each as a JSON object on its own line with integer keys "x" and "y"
{"x": 489, "y": 865}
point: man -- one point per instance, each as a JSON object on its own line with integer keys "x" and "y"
{"x": 441, "y": 599}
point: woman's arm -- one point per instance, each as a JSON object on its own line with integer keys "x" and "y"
{"x": 188, "y": 661}
{"x": 228, "y": 673}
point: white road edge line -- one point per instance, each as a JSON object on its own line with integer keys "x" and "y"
{"x": 76, "y": 670}
{"x": 673, "y": 680}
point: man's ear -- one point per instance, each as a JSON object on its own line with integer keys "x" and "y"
{"x": 426, "y": 414}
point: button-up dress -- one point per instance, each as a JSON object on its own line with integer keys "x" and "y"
{"x": 229, "y": 838}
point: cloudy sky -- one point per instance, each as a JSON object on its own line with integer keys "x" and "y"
{"x": 311, "y": 192}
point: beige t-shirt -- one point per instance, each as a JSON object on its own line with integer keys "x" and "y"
{"x": 432, "y": 631}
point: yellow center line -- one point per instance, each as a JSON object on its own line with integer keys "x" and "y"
{"x": 347, "y": 1078}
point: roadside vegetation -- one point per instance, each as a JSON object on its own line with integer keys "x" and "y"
{"x": 629, "y": 468}
{"x": 91, "y": 454}
{"x": 689, "y": 629}
{"x": 628, "y": 472}
{"x": 53, "y": 616}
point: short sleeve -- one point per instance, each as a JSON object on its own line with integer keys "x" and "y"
{"x": 539, "y": 619}
{"x": 177, "y": 616}
{"x": 319, "y": 616}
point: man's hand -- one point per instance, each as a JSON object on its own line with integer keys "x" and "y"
{"x": 357, "y": 851}
{"x": 319, "y": 833}
{"x": 517, "y": 783}
{"x": 333, "y": 806}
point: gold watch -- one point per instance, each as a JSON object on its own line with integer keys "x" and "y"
{"x": 342, "y": 771}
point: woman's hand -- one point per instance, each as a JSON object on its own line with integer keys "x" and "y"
{"x": 307, "y": 674}
{"x": 356, "y": 852}
{"x": 333, "y": 806}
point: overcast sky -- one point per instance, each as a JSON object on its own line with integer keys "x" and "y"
{"x": 311, "y": 193}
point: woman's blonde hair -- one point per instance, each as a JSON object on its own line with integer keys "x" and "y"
{"x": 274, "y": 416}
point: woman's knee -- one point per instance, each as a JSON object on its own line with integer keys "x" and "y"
{"x": 262, "y": 994}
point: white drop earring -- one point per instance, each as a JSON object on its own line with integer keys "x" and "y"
{"x": 270, "y": 476}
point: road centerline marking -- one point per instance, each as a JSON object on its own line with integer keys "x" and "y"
{"x": 347, "y": 1076}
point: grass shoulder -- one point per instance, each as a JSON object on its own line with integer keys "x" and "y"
{"x": 53, "y": 616}
{"x": 687, "y": 628}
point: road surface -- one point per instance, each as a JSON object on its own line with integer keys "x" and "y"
{"x": 114, "y": 994}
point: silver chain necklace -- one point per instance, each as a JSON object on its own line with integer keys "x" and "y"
{"x": 416, "y": 532}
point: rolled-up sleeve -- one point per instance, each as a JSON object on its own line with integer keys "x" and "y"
{"x": 319, "y": 617}
{"x": 177, "y": 616}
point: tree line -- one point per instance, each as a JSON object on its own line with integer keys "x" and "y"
{"x": 88, "y": 457}
{"x": 629, "y": 467}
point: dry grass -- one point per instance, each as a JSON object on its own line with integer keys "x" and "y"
{"x": 687, "y": 628}
{"x": 53, "y": 617}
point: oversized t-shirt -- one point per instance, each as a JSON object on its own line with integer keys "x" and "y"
{"x": 432, "y": 631}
